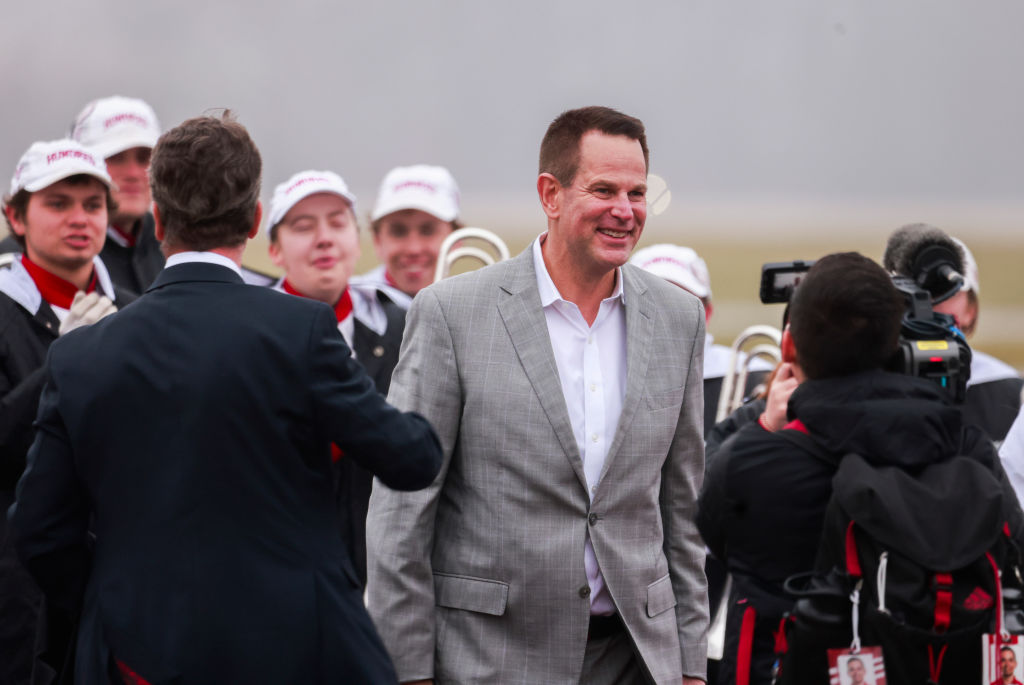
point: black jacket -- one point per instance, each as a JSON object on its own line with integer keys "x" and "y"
{"x": 206, "y": 473}
{"x": 24, "y": 341}
{"x": 764, "y": 497}
{"x": 134, "y": 268}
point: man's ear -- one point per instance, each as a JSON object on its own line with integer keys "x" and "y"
{"x": 788, "y": 347}
{"x": 257, "y": 217}
{"x": 550, "y": 192}
{"x": 17, "y": 226}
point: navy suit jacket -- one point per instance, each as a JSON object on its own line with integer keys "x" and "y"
{"x": 193, "y": 428}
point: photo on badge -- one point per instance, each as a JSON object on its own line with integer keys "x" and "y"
{"x": 864, "y": 667}
{"x": 1001, "y": 659}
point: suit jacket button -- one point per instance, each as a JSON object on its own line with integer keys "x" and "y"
{"x": 378, "y": 351}
{"x": 585, "y": 591}
{"x": 593, "y": 519}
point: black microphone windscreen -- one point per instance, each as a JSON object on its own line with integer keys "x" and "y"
{"x": 906, "y": 243}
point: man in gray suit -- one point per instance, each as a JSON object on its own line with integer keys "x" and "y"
{"x": 557, "y": 545}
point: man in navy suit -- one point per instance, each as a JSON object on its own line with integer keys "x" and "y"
{"x": 192, "y": 434}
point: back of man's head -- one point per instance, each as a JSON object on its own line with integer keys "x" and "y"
{"x": 560, "y": 148}
{"x": 205, "y": 176}
{"x": 845, "y": 316}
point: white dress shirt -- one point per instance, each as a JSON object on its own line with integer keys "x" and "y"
{"x": 591, "y": 361}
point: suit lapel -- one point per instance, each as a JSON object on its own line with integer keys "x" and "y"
{"x": 523, "y": 316}
{"x": 639, "y": 327}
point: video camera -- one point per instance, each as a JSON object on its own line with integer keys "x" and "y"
{"x": 926, "y": 265}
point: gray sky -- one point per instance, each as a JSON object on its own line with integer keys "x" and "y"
{"x": 776, "y": 112}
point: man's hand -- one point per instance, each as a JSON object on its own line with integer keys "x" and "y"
{"x": 692, "y": 681}
{"x": 783, "y": 385}
{"x": 86, "y": 309}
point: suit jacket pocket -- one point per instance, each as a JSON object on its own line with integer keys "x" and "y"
{"x": 660, "y": 596}
{"x": 470, "y": 594}
{"x": 659, "y": 399}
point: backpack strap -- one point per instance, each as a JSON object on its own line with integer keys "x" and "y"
{"x": 746, "y": 646}
{"x": 943, "y": 601}
{"x": 852, "y": 560}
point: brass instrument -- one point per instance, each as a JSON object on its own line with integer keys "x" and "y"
{"x": 755, "y": 342}
{"x": 452, "y": 252}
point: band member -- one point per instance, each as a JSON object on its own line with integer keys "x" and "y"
{"x": 124, "y": 130}
{"x": 417, "y": 208}
{"x": 57, "y": 209}
{"x": 314, "y": 238}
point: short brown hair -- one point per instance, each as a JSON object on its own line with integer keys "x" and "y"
{"x": 560, "y": 149}
{"x": 205, "y": 176}
{"x": 845, "y": 317}
{"x": 18, "y": 203}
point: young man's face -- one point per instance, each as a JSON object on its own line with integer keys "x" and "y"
{"x": 64, "y": 224}
{"x": 130, "y": 172}
{"x": 601, "y": 214}
{"x": 1007, "y": 662}
{"x": 317, "y": 245}
{"x": 855, "y": 669}
{"x": 407, "y": 242}
{"x": 960, "y": 307}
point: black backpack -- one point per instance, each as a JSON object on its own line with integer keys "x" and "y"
{"x": 914, "y": 562}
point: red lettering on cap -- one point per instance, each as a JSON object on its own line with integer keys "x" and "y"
{"x": 63, "y": 154}
{"x": 414, "y": 184}
{"x": 304, "y": 181}
{"x": 125, "y": 117}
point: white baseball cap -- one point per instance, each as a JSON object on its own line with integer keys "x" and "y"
{"x": 302, "y": 185}
{"x": 115, "y": 124}
{"x": 680, "y": 265}
{"x": 970, "y": 269}
{"x": 47, "y": 162}
{"x": 428, "y": 188}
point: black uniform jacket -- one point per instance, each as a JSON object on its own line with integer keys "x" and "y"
{"x": 134, "y": 267}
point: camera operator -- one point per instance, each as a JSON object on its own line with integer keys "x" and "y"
{"x": 994, "y": 388}
{"x": 945, "y": 268}
{"x": 764, "y": 497}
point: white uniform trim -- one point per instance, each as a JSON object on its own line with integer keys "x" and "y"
{"x": 1012, "y": 455}
{"x": 17, "y": 284}
{"x": 987, "y": 369}
{"x": 375, "y": 278}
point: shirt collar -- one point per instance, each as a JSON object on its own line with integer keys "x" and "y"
{"x": 204, "y": 258}
{"x": 548, "y": 292}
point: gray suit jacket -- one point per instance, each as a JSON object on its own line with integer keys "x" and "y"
{"x": 480, "y": 577}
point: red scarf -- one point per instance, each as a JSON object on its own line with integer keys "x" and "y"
{"x": 128, "y": 236}
{"x": 342, "y": 309}
{"x": 54, "y": 289}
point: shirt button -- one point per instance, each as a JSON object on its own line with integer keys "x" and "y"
{"x": 593, "y": 387}
{"x": 585, "y": 591}
{"x": 378, "y": 351}
{"x": 593, "y": 519}
{"x": 590, "y": 340}
{"x": 594, "y": 437}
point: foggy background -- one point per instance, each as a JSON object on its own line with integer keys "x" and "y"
{"x": 774, "y": 124}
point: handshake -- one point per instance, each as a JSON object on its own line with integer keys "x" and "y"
{"x": 86, "y": 309}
